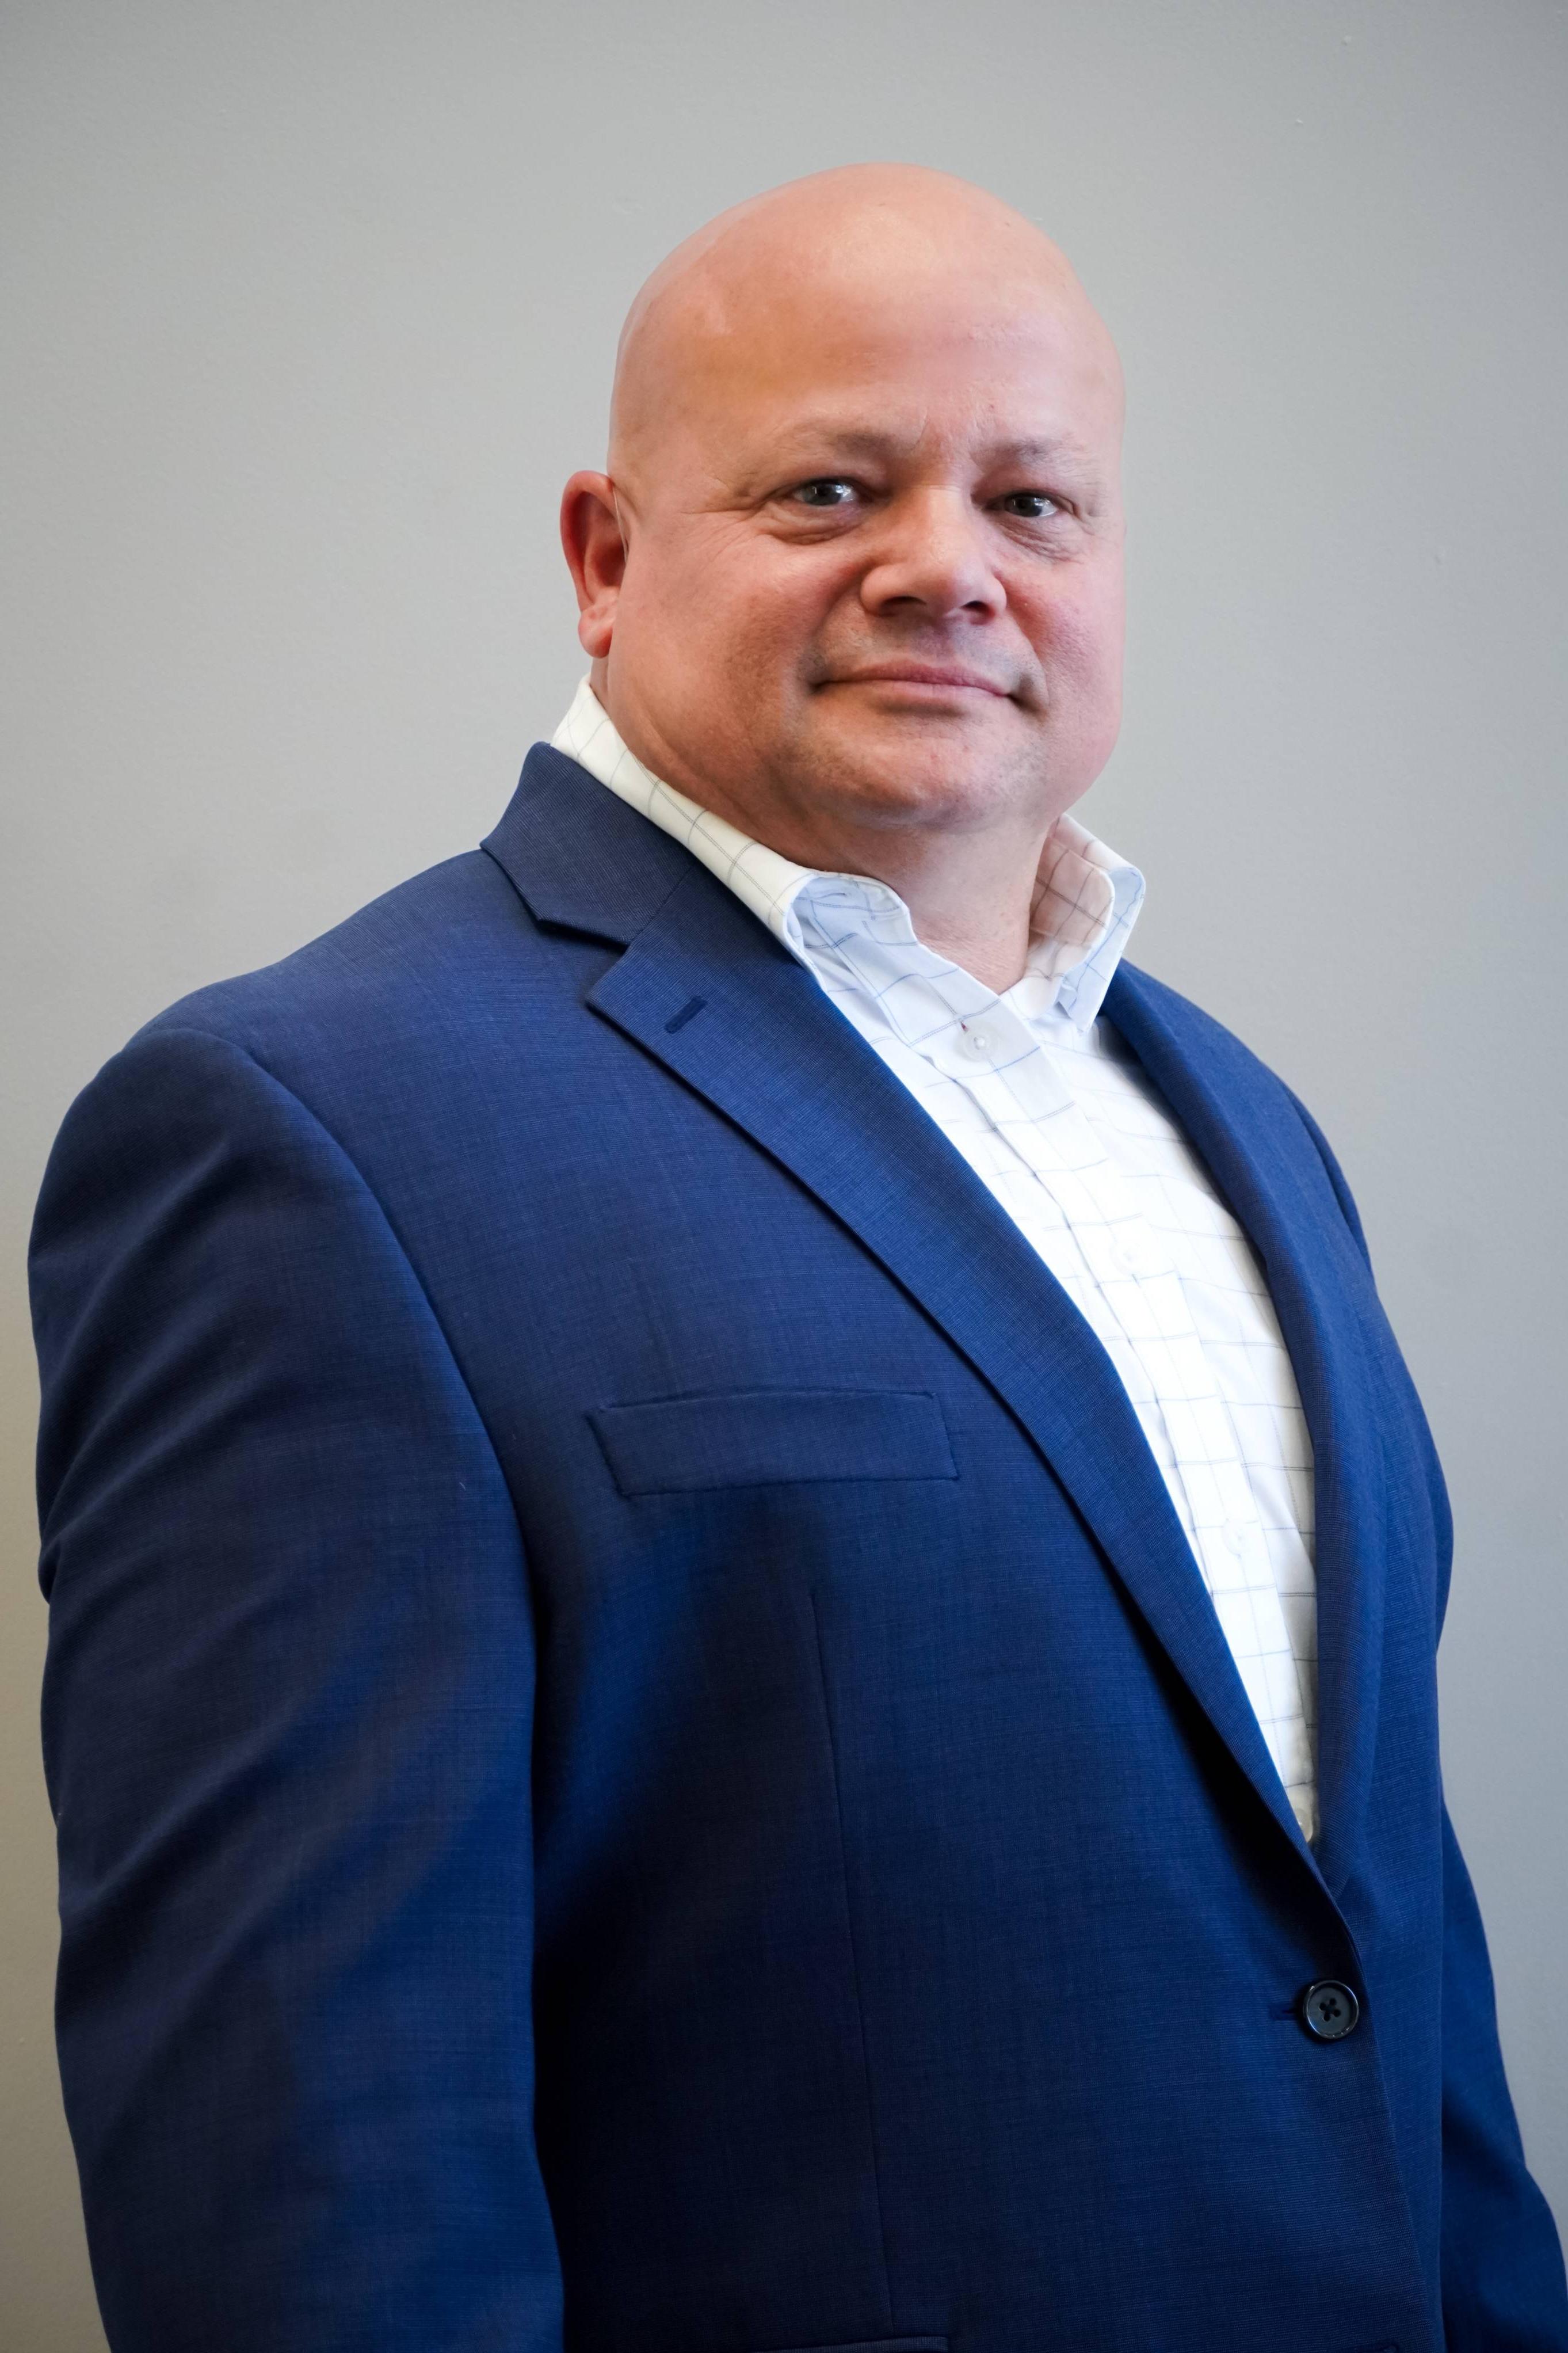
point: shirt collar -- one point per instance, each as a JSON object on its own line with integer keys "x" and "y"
{"x": 1086, "y": 898}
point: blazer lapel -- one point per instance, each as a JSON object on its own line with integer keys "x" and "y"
{"x": 711, "y": 995}
{"x": 1268, "y": 1170}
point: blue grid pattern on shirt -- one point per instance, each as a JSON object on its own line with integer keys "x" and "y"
{"x": 1060, "y": 1121}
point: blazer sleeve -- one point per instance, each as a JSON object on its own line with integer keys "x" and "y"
{"x": 287, "y": 1725}
{"x": 1502, "y": 2267}
{"x": 1503, "y": 2289}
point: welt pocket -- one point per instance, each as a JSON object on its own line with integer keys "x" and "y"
{"x": 765, "y": 1438}
{"x": 878, "y": 2345}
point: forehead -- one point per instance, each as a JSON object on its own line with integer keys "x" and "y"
{"x": 880, "y": 377}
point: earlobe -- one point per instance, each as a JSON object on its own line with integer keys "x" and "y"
{"x": 595, "y": 628}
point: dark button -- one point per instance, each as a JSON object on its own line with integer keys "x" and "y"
{"x": 1330, "y": 2011}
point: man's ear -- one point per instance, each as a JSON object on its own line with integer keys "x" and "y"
{"x": 595, "y": 549}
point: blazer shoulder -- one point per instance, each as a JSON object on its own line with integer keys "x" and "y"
{"x": 427, "y": 942}
{"x": 1232, "y": 1059}
{"x": 383, "y": 1014}
{"x": 1197, "y": 1028}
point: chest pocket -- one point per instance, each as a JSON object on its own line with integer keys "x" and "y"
{"x": 766, "y": 1438}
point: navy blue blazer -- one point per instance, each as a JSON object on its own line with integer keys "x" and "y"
{"x": 642, "y": 1764}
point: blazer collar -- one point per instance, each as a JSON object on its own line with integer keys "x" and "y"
{"x": 580, "y": 859}
{"x": 708, "y": 993}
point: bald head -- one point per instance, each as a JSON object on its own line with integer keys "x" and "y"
{"x": 852, "y": 576}
{"x": 864, "y": 240}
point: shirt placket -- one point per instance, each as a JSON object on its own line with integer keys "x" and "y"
{"x": 1134, "y": 1298}
{"x": 1084, "y": 1218}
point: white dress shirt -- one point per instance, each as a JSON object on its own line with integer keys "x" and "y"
{"x": 1049, "y": 1107}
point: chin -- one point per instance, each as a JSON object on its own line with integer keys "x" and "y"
{"x": 928, "y": 768}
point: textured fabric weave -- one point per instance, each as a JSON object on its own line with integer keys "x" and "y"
{"x": 639, "y": 1756}
{"x": 1046, "y": 1104}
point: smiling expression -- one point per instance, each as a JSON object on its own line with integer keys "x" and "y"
{"x": 857, "y": 563}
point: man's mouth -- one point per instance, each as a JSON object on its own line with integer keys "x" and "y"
{"x": 937, "y": 678}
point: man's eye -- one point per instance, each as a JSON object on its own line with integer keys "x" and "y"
{"x": 1032, "y": 506}
{"x": 825, "y": 491}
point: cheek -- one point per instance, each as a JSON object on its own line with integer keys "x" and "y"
{"x": 667, "y": 600}
{"x": 1077, "y": 636}
{"x": 727, "y": 595}
{"x": 1078, "y": 632}
{"x": 715, "y": 637}
{"x": 764, "y": 620}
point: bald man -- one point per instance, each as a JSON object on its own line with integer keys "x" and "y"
{"x": 743, "y": 1582}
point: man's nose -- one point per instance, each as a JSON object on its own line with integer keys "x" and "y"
{"x": 932, "y": 559}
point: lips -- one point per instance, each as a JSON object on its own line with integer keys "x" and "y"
{"x": 939, "y": 676}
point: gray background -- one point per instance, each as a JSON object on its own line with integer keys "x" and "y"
{"x": 308, "y": 311}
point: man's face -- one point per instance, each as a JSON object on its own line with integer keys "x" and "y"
{"x": 873, "y": 563}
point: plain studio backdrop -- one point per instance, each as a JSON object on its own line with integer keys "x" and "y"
{"x": 310, "y": 310}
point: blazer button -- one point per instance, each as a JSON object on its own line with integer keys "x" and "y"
{"x": 1330, "y": 2011}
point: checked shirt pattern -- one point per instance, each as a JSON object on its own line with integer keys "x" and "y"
{"x": 1053, "y": 1112}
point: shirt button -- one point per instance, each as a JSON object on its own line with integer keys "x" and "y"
{"x": 978, "y": 1042}
{"x": 1330, "y": 2011}
{"x": 1235, "y": 1539}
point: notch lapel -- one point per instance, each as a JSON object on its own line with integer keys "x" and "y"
{"x": 770, "y": 1051}
{"x": 708, "y": 992}
{"x": 1268, "y": 1170}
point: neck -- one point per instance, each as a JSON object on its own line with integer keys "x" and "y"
{"x": 969, "y": 895}
{"x": 970, "y": 890}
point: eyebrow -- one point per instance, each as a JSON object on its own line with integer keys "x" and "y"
{"x": 820, "y": 438}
